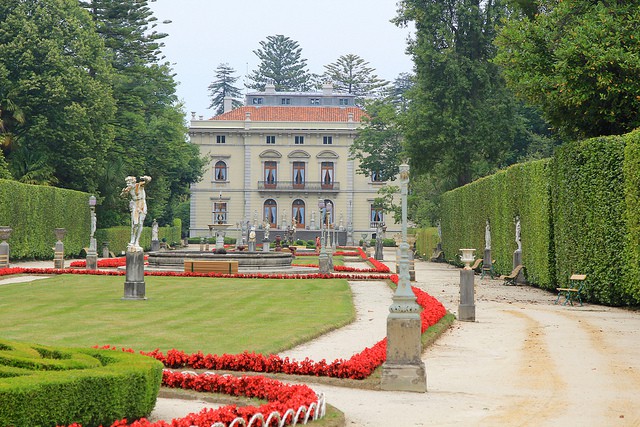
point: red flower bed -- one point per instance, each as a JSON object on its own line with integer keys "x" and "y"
{"x": 105, "y": 262}
{"x": 282, "y": 398}
{"x": 358, "y": 366}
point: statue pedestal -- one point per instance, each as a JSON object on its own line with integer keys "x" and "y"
{"x": 92, "y": 262}
{"x": 155, "y": 245}
{"x": 4, "y": 254}
{"x": 404, "y": 370}
{"x": 467, "y": 307}
{"x": 517, "y": 260}
{"x": 134, "y": 286}
{"x": 58, "y": 257}
{"x": 252, "y": 246}
{"x": 265, "y": 246}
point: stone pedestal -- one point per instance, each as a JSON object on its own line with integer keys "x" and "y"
{"x": 105, "y": 249}
{"x": 323, "y": 262}
{"x": 517, "y": 260}
{"x": 467, "y": 307}
{"x": 404, "y": 370}
{"x": 134, "y": 286}
{"x": 486, "y": 261}
{"x": 379, "y": 256}
{"x": 4, "y": 254}
{"x": 252, "y": 246}
{"x": 58, "y": 257}
{"x": 155, "y": 245}
{"x": 265, "y": 246}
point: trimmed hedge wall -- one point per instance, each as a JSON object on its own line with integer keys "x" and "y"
{"x": 521, "y": 190}
{"x": 580, "y": 213}
{"x": 426, "y": 241}
{"x": 46, "y": 386}
{"x": 33, "y": 211}
{"x": 119, "y": 237}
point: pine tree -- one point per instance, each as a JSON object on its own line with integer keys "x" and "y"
{"x": 281, "y": 64}
{"x": 223, "y": 87}
{"x": 352, "y": 74}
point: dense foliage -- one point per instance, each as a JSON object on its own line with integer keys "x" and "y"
{"x": 118, "y": 237}
{"x": 223, "y": 87}
{"x": 352, "y": 74}
{"x": 578, "y": 61}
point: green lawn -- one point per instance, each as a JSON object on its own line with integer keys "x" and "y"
{"x": 190, "y": 314}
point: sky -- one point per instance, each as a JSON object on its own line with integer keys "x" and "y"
{"x": 206, "y": 33}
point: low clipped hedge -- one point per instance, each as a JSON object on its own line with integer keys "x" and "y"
{"x": 119, "y": 237}
{"x": 46, "y": 386}
{"x": 33, "y": 211}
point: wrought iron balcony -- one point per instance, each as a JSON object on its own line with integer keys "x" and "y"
{"x": 293, "y": 186}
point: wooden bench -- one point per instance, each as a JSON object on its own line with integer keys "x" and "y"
{"x": 511, "y": 278}
{"x": 574, "y": 291}
{"x": 211, "y": 266}
{"x": 476, "y": 265}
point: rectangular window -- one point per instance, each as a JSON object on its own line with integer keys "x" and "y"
{"x": 298, "y": 174}
{"x": 257, "y": 101}
{"x": 376, "y": 176}
{"x": 327, "y": 140}
{"x": 220, "y": 139}
{"x": 219, "y": 212}
{"x": 343, "y": 101}
{"x": 314, "y": 101}
{"x": 326, "y": 175}
{"x": 271, "y": 139}
{"x": 377, "y": 216}
{"x": 299, "y": 139}
{"x": 285, "y": 101}
{"x": 270, "y": 174}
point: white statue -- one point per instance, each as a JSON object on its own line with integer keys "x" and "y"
{"x": 267, "y": 227}
{"x": 487, "y": 236}
{"x": 154, "y": 230}
{"x": 93, "y": 222}
{"x": 252, "y": 234}
{"x": 439, "y": 231}
{"x": 138, "y": 208}
{"x": 518, "y": 241}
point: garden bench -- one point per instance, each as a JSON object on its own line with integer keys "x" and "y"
{"x": 488, "y": 270}
{"x": 574, "y": 291}
{"x": 211, "y": 266}
{"x": 476, "y": 265}
{"x": 511, "y": 278}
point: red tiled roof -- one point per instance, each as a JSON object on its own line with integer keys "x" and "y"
{"x": 294, "y": 114}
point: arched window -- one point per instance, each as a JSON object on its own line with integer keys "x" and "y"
{"x": 297, "y": 208}
{"x": 220, "y": 171}
{"x": 271, "y": 212}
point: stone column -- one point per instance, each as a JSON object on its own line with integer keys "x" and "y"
{"x": 58, "y": 256}
{"x": 5, "y": 233}
{"x": 105, "y": 249}
{"x": 134, "y": 286}
{"x": 467, "y": 307}
{"x": 92, "y": 255}
{"x": 265, "y": 245}
{"x": 404, "y": 369}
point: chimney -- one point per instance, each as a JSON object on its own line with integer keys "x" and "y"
{"x": 350, "y": 120}
{"x": 227, "y": 104}
{"x": 270, "y": 88}
{"x": 327, "y": 89}
{"x": 247, "y": 116}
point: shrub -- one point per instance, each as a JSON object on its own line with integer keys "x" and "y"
{"x": 45, "y": 386}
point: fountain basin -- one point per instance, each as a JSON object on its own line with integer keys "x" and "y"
{"x": 247, "y": 261}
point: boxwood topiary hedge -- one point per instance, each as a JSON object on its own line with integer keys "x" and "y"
{"x": 119, "y": 237}
{"x": 580, "y": 213}
{"x": 46, "y": 386}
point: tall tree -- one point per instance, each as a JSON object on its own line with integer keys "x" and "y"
{"x": 461, "y": 119}
{"x": 352, "y": 74}
{"x": 223, "y": 87}
{"x": 578, "y": 61}
{"x": 150, "y": 136}
{"x": 56, "y": 98}
{"x": 281, "y": 63}
{"x": 378, "y": 143}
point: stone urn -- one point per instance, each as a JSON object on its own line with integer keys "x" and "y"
{"x": 467, "y": 257}
{"x": 60, "y": 232}
{"x": 5, "y": 233}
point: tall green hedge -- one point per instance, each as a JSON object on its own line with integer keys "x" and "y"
{"x": 426, "y": 241}
{"x": 119, "y": 237}
{"x": 589, "y": 210}
{"x": 33, "y": 211}
{"x": 521, "y": 190}
{"x": 580, "y": 213}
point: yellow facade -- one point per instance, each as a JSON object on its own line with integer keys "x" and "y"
{"x": 273, "y": 163}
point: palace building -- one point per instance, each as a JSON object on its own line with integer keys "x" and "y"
{"x": 279, "y": 159}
